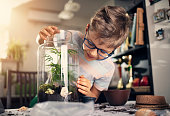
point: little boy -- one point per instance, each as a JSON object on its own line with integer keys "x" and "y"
{"x": 107, "y": 30}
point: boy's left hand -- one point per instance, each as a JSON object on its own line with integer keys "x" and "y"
{"x": 84, "y": 86}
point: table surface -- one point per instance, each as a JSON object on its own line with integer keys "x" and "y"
{"x": 99, "y": 110}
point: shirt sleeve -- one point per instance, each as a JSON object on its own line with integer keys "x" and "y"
{"x": 103, "y": 82}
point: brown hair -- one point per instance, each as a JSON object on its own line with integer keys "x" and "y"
{"x": 111, "y": 23}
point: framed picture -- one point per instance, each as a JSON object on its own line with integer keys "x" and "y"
{"x": 168, "y": 14}
{"x": 159, "y": 16}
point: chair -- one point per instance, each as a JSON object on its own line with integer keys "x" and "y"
{"x": 1, "y": 107}
{"x": 25, "y": 84}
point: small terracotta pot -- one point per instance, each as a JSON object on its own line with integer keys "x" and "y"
{"x": 117, "y": 97}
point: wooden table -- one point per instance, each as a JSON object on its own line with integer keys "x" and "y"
{"x": 99, "y": 110}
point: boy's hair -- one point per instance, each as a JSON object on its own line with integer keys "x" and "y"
{"x": 111, "y": 23}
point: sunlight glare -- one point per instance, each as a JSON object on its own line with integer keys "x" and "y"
{"x": 5, "y": 11}
{"x": 6, "y": 7}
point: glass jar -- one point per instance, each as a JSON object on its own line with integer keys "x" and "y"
{"x": 58, "y": 69}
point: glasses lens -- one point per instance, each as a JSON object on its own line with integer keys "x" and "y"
{"x": 103, "y": 53}
{"x": 89, "y": 44}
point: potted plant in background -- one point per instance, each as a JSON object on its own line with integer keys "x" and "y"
{"x": 16, "y": 51}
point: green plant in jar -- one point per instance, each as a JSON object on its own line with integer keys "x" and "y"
{"x": 55, "y": 84}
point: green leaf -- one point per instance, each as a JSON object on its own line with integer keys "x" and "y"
{"x": 72, "y": 52}
{"x": 56, "y": 68}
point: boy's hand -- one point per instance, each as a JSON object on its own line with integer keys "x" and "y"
{"x": 84, "y": 86}
{"x": 48, "y": 32}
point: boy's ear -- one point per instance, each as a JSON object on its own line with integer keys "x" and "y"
{"x": 87, "y": 27}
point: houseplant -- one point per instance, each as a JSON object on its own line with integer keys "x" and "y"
{"x": 16, "y": 51}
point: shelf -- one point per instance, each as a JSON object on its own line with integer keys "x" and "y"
{"x": 130, "y": 51}
{"x": 141, "y": 93}
{"x": 141, "y": 89}
{"x": 165, "y": 23}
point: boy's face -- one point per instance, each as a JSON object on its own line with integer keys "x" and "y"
{"x": 96, "y": 54}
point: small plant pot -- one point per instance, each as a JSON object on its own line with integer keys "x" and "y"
{"x": 50, "y": 97}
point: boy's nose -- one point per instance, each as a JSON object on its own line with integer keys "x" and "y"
{"x": 93, "y": 52}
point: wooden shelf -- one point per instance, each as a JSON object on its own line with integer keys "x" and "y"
{"x": 142, "y": 89}
{"x": 165, "y": 23}
{"x": 141, "y": 60}
{"x": 130, "y": 51}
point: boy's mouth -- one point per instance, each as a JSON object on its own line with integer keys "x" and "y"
{"x": 91, "y": 57}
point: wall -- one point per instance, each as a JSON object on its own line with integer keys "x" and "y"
{"x": 26, "y": 31}
{"x": 160, "y": 51}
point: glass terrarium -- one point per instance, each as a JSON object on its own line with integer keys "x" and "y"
{"x": 58, "y": 69}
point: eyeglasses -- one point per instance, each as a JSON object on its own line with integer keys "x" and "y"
{"x": 101, "y": 52}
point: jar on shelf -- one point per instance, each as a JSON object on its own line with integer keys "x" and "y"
{"x": 58, "y": 69}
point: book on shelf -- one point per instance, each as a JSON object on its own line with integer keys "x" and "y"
{"x": 139, "y": 27}
{"x": 130, "y": 41}
{"x": 123, "y": 47}
{"x": 133, "y": 31}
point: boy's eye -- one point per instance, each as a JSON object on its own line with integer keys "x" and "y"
{"x": 102, "y": 51}
{"x": 90, "y": 43}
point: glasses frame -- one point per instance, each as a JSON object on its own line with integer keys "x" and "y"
{"x": 85, "y": 39}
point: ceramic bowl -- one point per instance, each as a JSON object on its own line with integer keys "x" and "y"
{"x": 117, "y": 97}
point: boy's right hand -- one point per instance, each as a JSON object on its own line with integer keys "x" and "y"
{"x": 84, "y": 86}
{"x": 48, "y": 32}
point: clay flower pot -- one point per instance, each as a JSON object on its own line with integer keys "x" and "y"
{"x": 117, "y": 97}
